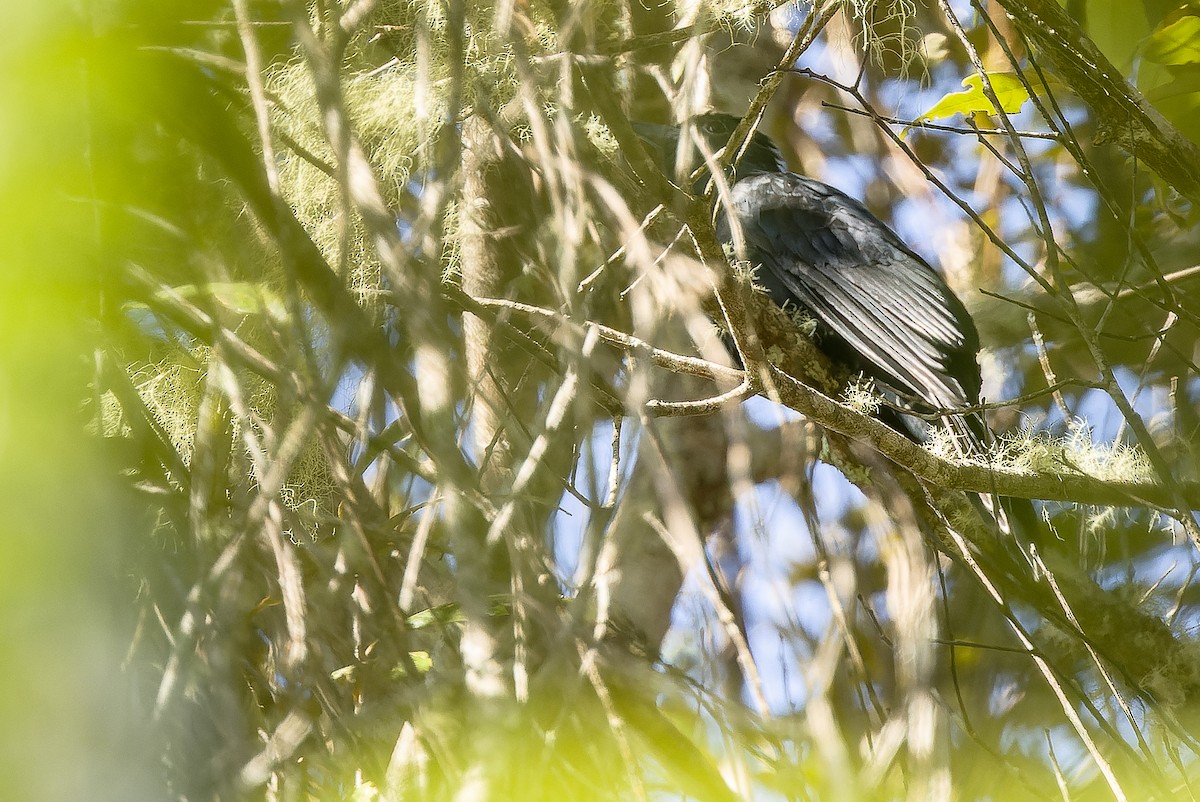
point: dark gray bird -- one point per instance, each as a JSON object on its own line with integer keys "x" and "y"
{"x": 879, "y": 307}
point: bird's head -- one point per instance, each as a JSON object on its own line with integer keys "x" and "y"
{"x": 713, "y": 129}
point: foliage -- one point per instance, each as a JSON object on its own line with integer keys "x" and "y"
{"x": 1008, "y": 88}
{"x": 410, "y": 354}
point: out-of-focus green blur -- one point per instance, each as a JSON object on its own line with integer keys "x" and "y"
{"x": 93, "y": 170}
{"x": 69, "y": 731}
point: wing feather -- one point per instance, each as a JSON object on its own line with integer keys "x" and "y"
{"x": 823, "y": 251}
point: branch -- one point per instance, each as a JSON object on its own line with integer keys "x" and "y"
{"x": 1122, "y": 114}
{"x": 824, "y": 410}
{"x": 1068, "y": 487}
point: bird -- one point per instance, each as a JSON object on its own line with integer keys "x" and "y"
{"x": 879, "y": 308}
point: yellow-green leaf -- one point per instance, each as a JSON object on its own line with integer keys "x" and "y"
{"x": 1177, "y": 43}
{"x": 1008, "y": 88}
{"x": 421, "y": 661}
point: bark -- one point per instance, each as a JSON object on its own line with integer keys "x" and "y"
{"x": 1123, "y": 116}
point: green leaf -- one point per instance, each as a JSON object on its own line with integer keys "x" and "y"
{"x": 1177, "y": 43}
{"x": 1118, "y": 29}
{"x": 239, "y": 297}
{"x": 421, "y": 661}
{"x": 1008, "y": 88}
{"x": 442, "y": 614}
{"x": 1184, "y": 86}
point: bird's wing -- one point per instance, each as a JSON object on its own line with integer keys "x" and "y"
{"x": 823, "y": 251}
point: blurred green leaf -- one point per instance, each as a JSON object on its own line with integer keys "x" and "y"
{"x": 442, "y": 614}
{"x": 1118, "y": 29}
{"x": 239, "y": 297}
{"x": 421, "y": 661}
{"x": 1175, "y": 43}
{"x": 1187, "y": 82}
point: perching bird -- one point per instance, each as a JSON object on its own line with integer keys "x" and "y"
{"x": 879, "y": 307}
